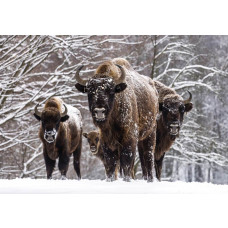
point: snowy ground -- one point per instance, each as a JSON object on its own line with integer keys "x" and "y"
{"x": 135, "y": 204}
{"x": 97, "y": 186}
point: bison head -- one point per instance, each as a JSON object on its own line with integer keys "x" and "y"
{"x": 101, "y": 90}
{"x": 50, "y": 118}
{"x": 173, "y": 110}
{"x": 93, "y": 140}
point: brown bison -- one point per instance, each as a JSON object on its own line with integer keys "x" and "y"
{"x": 93, "y": 138}
{"x": 124, "y": 107}
{"x": 61, "y": 135}
{"x": 172, "y": 108}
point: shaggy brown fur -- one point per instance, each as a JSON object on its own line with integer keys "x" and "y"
{"x": 65, "y": 134}
{"x": 127, "y": 120}
{"x": 93, "y": 138}
{"x": 172, "y": 110}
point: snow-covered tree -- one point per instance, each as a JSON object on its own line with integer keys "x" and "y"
{"x": 34, "y": 68}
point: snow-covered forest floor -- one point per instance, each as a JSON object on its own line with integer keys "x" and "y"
{"x": 84, "y": 186}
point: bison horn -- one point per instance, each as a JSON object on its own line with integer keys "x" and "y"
{"x": 79, "y": 80}
{"x": 189, "y": 99}
{"x": 123, "y": 75}
{"x": 65, "y": 111}
{"x": 38, "y": 113}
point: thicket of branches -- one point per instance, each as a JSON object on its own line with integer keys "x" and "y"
{"x": 34, "y": 68}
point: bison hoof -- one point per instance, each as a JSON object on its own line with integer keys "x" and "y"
{"x": 150, "y": 179}
{"x": 63, "y": 177}
{"x": 109, "y": 179}
{"x": 144, "y": 177}
{"x": 127, "y": 179}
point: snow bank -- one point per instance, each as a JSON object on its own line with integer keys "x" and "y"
{"x": 101, "y": 186}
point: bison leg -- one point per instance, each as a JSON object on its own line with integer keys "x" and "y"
{"x": 77, "y": 156}
{"x": 142, "y": 161}
{"x": 121, "y": 172}
{"x": 50, "y": 165}
{"x": 148, "y": 146}
{"x": 127, "y": 158}
{"x": 110, "y": 163}
{"x": 158, "y": 167}
{"x": 63, "y": 164}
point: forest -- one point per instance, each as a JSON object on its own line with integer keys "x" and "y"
{"x": 34, "y": 68}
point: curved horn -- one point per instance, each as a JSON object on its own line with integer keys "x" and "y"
{"x": 123, "y": 75}
{"x": 38, "y": 113}
{"x": 65, "y": 111}
{"x": 189, "y": 99}
{"x": 79, "y": 80}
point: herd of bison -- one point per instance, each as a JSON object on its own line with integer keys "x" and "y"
{"x": 129, "y": 110}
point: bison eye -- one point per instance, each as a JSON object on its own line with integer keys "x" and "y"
{"x": 97, "y": 139}
{"x": 182, "y": 108}
{"x": 165, "y": 109}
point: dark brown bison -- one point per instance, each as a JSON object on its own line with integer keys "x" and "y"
{"x": 93, "y": 138}
{"x": 172, "y": 108}
{"x": 61, "y": 135}
{"x": 124, "y": 107}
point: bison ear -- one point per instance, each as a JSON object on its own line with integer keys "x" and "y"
{"x": 64, "y": 118}
{"x": 85, "y": 135}
{"x": 37, "y": 117}
{"x": 81, "y": 88}
{"x": 120, "y": 87}
{"x": 188, "y": 107}
{"x": 160, "y": 106}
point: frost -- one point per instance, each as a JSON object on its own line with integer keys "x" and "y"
{"x": 34, "y": 68}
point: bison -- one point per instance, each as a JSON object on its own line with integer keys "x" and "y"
{"x": 61, "y": 135}
{"x": 93, "y": 138}
{"x": 172, "y": 108}
{"x": 124, "y": 108}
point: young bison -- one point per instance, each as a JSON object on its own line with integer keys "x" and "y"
{"x": 61, "y": 135}
{"x": 93, "y": 138}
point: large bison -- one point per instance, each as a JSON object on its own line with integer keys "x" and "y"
{"x": 124, "y": 107}
{"x": 172, "y": 108}
{"x": 61, "y": 135}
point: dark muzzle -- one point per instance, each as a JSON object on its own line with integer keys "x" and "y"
{"x": 93, "y": 149}
{"x": 50, "y": 136}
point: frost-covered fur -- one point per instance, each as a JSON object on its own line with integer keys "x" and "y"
{"x": 165, "y": 92}
{"x": 131, "y": 115}
{"x": 172, "y": 110}
{"x": 68, "y": 136}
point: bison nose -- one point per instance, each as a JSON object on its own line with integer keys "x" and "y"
{"x": 50, "y": 133}
{"x": 99, "y": 113}
{"x": 50, "y": 136}
{"x": 174, "y": 128}
{"x": 93, "y": 149}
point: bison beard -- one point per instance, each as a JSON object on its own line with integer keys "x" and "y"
{"x": 119, "y": 99}
{"x": 61, "y": 135}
